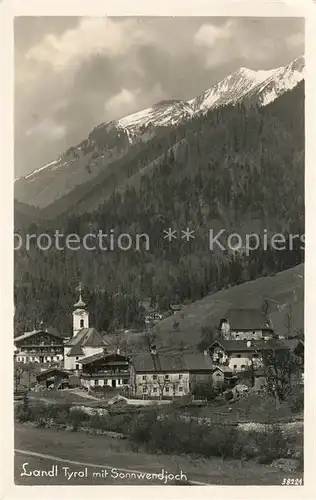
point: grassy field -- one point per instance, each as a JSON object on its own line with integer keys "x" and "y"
{"x": 253, "y": 407}
{"x": 113, "y": 453}
{"x": 61, "y": 396}
{"x": 208, "y": 311}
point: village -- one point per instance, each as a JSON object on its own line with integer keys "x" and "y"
{"x": 243, "y": 357}
{"x": 236, "y": 396}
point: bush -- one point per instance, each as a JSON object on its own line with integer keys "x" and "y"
{"x": 63, "y": 416}
{"x": 171, "y": 434}
{"x": 272, "y": 444}
{"x": 229, "y": 395}
{"x": 22, "y": 414}
{"x": 139, "y": 429}
{"x": 77, "y": 418}
{"x": 297, "y": 402}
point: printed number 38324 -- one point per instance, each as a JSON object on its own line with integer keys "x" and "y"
{"x": 291, "y": 481}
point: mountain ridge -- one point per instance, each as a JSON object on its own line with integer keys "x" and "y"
{"x": 110, "y": 141}
{"x": 238, "y": 168}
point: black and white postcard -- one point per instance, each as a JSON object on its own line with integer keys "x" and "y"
{"x": 156, "y": 320}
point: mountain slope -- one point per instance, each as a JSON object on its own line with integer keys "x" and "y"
{"x": 109, "y": 142}
{"x": 283, "y": 292}
{"x": 133, "y": 170}
{"x": 235, "y": 168}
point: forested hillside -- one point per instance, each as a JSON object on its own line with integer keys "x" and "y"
{"x": 238, "y": 168}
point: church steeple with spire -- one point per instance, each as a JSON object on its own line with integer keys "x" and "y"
{"x": 80, "y": 315}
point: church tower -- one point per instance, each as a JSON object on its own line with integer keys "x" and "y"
{"x": 80, "y": 315}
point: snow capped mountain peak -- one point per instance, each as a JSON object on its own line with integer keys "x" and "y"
{"x": 111, "y": 140}
{"x": 245, "y": 83}
{"x": 163, "y": 113}
{"x": 297, "y": 65}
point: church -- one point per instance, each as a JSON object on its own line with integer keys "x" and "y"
{"x": 85, "y": 341}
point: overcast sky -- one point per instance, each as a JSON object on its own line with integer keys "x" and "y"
{"x": 73, "y": 73}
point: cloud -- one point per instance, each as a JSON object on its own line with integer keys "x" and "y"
{"x": 125, "y": 99}
{"x": 47, "y": 128}
{"x": 92, "y": 36}
{"x": 209, "y": 34}
{"x": 73, "y": 73}
{"x": 296, "y": 40}
{"x": 251, "y": 42}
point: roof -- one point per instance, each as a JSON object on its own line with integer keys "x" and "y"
{"x": 247, "y": 319}
{"x": 27, "y": 335}
{"x": 80, "y": 303}
{"x": 53, "y": 331}
{"x": 101, "y": 355}
{"x": 172, "y": 362}
{"x": 76, "y": 350}
{"x": 50, "y": 371}
{"x": 87, "y": 337}
{"x": 92, "y": 358}
{"x": 223, "y": 368}
{"x": 256, "y": 345}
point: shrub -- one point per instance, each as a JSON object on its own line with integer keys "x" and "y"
{"x": 229, "y": 395}
{"x": 297, "y": 402}
{"x": 77, "y": 418}
{"x": 63, "y": 416}
{"x": 140, "y": 426}
{"x": 171, "y": 434}
{"x": 272, "y": 444}
{"x": 22, "y": 414}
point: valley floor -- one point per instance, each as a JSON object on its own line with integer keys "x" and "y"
{"x": 42, "y": 448}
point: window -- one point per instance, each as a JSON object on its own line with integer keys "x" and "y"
{"x": 155, "y": 389}
{"x": 243, "y": 366}
{"x": 96, "y": 382}
{"x": 238, "y": 356}
{"x": 167, "y": 389}
{"x": 81, "y": 323}
{"x": 154, "y": 377}
{"x": 235, "y": 366}
{"x": 144, "y": 389}
{"x": 218, "y": 374}
{"x": 167, "y": 377}
{"x": 180, "y": 376}
{"x": 77, "y": 357}
{"x": 77, "y": 366}
{"x": 180, "y": 389}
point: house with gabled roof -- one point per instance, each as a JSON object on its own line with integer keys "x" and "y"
{"x": 105, "y": 370}
{"x": 240, "y": 355}
{"x": 245, "y": 324}
{"x": 39, "y": 346}
{"x": 158, "y": 373}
